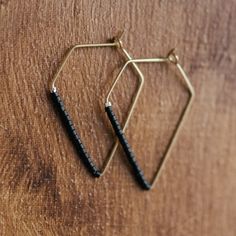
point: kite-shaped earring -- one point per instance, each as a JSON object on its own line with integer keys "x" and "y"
{"x": 65, "y": 117}
{"x": 170, "y": 58}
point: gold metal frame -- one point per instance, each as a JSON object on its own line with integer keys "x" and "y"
{"x": 170, "y": 58}
{"x": 118, "y": 44}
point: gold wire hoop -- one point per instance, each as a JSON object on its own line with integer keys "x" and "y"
{"x": 173, "y": 59}
{"x": 118, "y": 44}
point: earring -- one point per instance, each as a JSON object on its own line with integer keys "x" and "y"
{"x": 170, "y": 58}
{"x": 65, "y": 117}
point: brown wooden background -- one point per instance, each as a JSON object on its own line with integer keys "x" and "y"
{"x": 45, "y": 189}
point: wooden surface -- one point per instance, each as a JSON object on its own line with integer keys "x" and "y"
{"x": 45, "y": 189}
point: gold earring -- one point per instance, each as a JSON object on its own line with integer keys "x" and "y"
{"x": 170, "y": 58}
{"x": 83, "y": 154}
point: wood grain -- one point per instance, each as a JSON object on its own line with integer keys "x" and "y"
{"x": 45, "y": 189}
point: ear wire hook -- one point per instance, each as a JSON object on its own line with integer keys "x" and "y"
{"x": 170, "y": 58}
{"x": 65, "y": 116}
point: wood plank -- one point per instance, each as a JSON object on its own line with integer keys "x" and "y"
{"x": 45, "y": 189}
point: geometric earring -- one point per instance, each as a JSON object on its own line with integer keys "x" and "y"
{"x": 74, "y": 136}
{"x": 170, "y": 58}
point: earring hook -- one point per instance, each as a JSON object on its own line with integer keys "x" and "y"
{"x": 172, "y": 57}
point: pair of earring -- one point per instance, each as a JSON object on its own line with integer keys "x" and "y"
{"x": 171, "y": 58}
